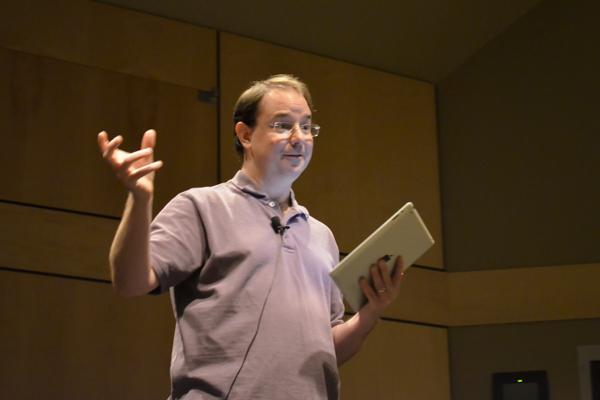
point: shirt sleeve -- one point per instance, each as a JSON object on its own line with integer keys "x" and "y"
{"x": 177, "y": 241}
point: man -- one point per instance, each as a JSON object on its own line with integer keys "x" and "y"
{"x": 257, "y": 315}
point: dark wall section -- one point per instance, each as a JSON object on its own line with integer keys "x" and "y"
{"x": 477, "y": 352}
{"x": 520, "y": 172}
{"x": 520, "y": 144}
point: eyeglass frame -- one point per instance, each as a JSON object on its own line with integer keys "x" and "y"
{"x": 276, "y": 125}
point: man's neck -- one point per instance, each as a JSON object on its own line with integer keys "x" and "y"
{"x": 276, "y": 189}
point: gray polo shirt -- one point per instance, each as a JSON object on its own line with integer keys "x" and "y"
{"x": 253, "y": 309}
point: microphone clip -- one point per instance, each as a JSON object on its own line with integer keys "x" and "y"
{"x": 278, "y": 228}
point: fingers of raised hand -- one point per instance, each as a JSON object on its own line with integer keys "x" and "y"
{"x": 136, "y": 165}
{"x": 102, "y": 141}
{"x": 148, "y": 139}
{"x": 108, "y": 147}
{"x": 145, "y": 170}
{"x": 131, "y": 158}
{"x": 129, "y": 167}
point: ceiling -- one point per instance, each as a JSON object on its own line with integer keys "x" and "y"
{"x": 423, "y": 39}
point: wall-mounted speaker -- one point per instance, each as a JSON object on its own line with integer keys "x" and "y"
{"x": 523, "y": 385}
{"x": 595, "y": 379}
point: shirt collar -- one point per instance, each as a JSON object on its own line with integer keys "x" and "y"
{"x": 247, "y": 185}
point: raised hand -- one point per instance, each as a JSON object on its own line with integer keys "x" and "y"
{"x": 135, "y": 170}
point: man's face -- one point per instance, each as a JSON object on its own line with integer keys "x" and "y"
{"x": 275, "y": 154}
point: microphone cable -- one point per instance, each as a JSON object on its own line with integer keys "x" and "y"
{"x": 279, "y": 230}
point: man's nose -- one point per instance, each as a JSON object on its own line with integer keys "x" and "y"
{"x": 297, "y": 134}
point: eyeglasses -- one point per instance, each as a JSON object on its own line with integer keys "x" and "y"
{"x": 285, "y": 128}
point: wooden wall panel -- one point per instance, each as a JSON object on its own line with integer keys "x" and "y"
{"x": 497, "y": 297}
{"x": 69, "y": 339}
{"x": 399, "y": 361}
{"x": 424, "y": 297}
{"x": 89, "y": 33}
{"x": 525, "y": 294}
{"x": 51, "y": 112}
{"x": 55, "y": 242}
{"x": 378, "y": 148}
{"x": 77, "y": 245}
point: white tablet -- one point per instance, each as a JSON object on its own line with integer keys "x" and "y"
{"x": 403, "y": 234}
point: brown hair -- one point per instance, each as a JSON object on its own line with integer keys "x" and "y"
{"x": 246, "y": 107}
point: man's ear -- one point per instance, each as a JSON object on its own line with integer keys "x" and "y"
{"x": 243, "y": 133}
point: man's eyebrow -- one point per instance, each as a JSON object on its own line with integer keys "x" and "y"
{"x": 282, "y": 114}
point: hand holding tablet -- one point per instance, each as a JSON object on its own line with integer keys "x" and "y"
{"x": 403, "y": 234}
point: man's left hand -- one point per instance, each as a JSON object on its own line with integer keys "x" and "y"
{"x": 384, "y": 288}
